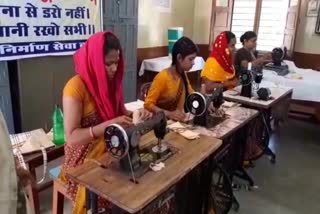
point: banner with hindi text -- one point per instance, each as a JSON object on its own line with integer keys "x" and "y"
{"x": 33, "y": 28}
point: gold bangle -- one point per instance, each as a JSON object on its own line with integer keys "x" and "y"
{"x": 91, "y": 133}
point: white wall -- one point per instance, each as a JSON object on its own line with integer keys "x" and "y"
{"x": 307, "y": 41}
{"x": 153, "y": 24}
{"x": 202, "y": 19}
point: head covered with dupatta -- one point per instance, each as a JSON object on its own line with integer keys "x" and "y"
{"x": 219, "y": 66}
{"x": 90, "y": 65}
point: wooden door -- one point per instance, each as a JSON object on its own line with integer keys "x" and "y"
{"x": 221, "y": 18}
{"x": 291, "y": 25}
{"x": 123, "y": 21}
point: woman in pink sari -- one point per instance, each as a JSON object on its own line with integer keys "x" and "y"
{"x": 92, "y": 100}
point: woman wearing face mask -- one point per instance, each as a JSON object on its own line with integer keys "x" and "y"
{"x": 248, "y": 54}
{"x": 218, "y": 70}
{"x": 92, "y": 100}
{"x": 171, "y": 86}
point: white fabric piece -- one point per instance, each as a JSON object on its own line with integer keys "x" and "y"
{"x": 135, "y": 105}
{"x": 305, "y": 82}
{"x": 183, "y": 131}
{"x": 157, "y": 166}
{"x": 31, "y": 141}
{"x": 136, "y": 117}
{"x": 158, "y": 64}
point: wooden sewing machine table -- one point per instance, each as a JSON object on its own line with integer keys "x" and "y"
{"x": 281, "y": 97}
{"x": 117, "y": 188}
{"x": 34, "y": 160}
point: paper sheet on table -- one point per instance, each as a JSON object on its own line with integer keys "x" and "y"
{"x": 227, "y": 104}
{"x": 183, "y": 131}
{"x": 133, "y": 106}
{"x": 31, "y": 141}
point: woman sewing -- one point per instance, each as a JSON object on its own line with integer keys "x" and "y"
{"x": 171, "y": 86}
{"x": 92, "y": 100}
{"x": 218, "y": 70}
{"x": 248, "y": 54}
{"x": 168, "y": 93}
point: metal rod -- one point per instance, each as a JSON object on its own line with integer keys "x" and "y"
{"x": 131, "y": 168}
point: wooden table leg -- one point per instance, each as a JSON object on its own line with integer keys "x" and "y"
{"x": 267, "y": 122}
{"x": 34, "y": 193}
{"x": 317, "y": 114}
{"x": 91, "y": 202}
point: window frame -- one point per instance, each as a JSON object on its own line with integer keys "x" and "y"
{"x": 257, "y": 17}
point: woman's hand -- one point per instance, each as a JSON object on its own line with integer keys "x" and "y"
{"x": 123, "y": 121}
{"x": 25, "y": 178}
{"x": 231, "y": 83}
{"x": 267, "y": 56}
{"x": 176, "y": 115}
{"x": 144, "y": 114}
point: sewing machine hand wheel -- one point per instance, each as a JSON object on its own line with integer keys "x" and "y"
{"x": 116, "y": 140}
{"x": 196, "y": 104}
{"x": 246, "y": 78}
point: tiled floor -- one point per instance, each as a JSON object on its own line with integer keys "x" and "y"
{"x": 291, "y": 186}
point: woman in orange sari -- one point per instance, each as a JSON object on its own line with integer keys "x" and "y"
{"x": 218, "y": 70}
{"x": 171, "y": 86}
{"x": 92, "y": 100}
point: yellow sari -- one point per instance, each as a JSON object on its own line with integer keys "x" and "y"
{"x": 166, "y": 92}
{"x": 219, "y": 67}
{"x": 213, "y": 71}
{"x": 77, "y": 155}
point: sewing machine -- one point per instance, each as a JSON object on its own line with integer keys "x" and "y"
{"x": 123, "y": 143}
{"x": 246, "y": 79}
{"x": 251, "y": 80}
{"x": 198, "y": 105}
{"x": 277, "y": 63}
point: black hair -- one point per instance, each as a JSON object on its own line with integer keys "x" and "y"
{"x": 247, "y": 35}
{"x": 230, "y": 36}
{"x": 184, "y": 46}
{"x": 111, "y": 42}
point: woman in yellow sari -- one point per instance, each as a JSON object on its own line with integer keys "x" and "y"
{"x": 168, "y": 93}
{"x": 171, "y": 86}
{"x": 218, "y": 70}
{"x": 92, "y": 100}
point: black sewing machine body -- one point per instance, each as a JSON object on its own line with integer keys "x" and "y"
{"x": 198, "y": 105}
{"x": 246, "y": 79}
{"x": 277, "y": 63}
{"x": 123, "y": 143}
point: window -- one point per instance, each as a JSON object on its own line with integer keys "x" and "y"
{"x": 274, "y": 21}
{"x": 266, "y": 17}
{"x": 272, "y": 24}
{"x": 243, "y": 18}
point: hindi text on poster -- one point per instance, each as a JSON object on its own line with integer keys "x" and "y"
{"x": 46, "y": 27}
